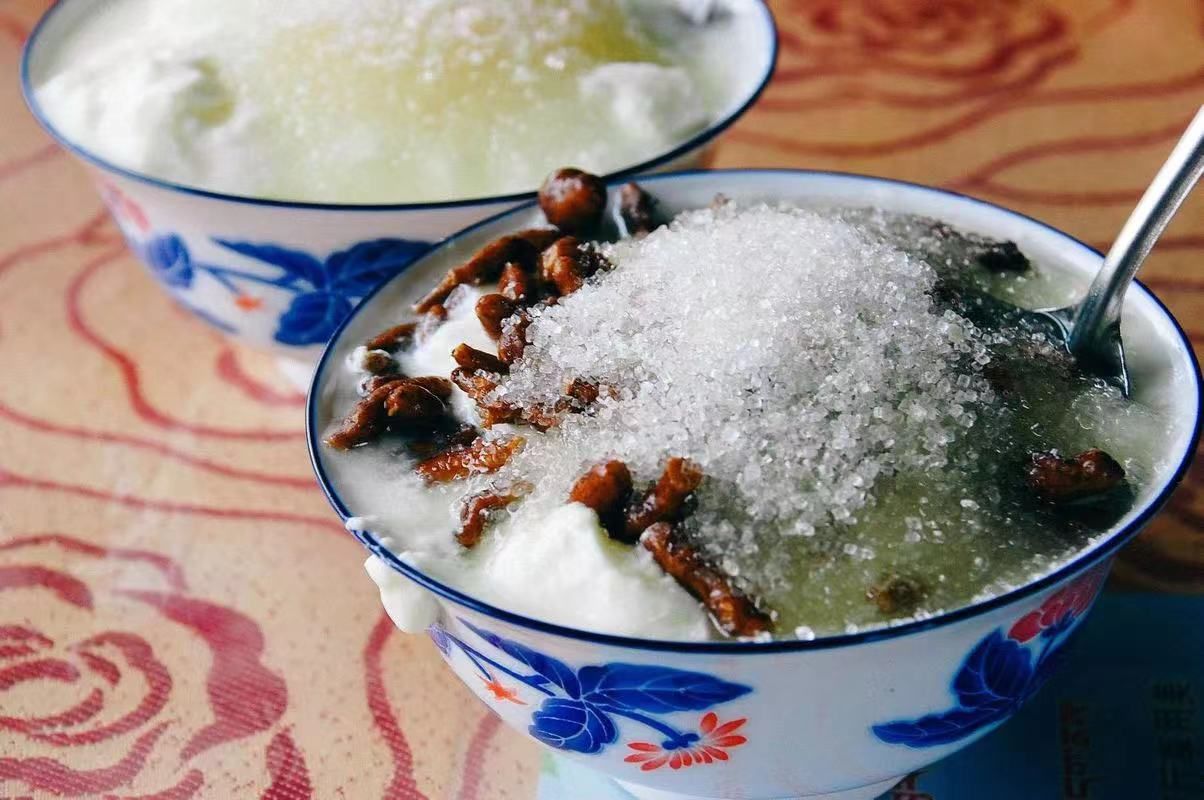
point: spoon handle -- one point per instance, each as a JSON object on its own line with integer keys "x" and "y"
{"x": 1098, "y": 316}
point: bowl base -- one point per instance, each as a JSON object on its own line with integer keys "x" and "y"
{"x": 869, "y": 792}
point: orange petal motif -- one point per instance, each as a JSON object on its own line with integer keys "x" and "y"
{"x": 728, "y": 727}
{"x": 248, "y": 303}
{"x": 503, "y": 692}
{"x": 639, "y": 758}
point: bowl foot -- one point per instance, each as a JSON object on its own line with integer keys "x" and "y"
{"x": 860, "y": 793}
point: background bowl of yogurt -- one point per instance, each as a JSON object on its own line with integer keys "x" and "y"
{"x": 838, "y": 716}
{"x": 270, "y": 169}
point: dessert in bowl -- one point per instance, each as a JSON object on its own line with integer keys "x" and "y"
{"x": 771, "y": 501}
{"x": 270, "y": 169}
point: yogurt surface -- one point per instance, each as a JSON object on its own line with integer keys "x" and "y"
{"x": 944, "y": 503}
{"x": 556, "y": 564}
{"x": 389, "y": 101}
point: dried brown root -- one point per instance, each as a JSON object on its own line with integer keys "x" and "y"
{"x": 566, "y": 264}
{"x": 393, "y": 339}
{"x": 513, "y": 341}
{"x": 733, "y": 611}
{"x": 473, "y": 384}
{"x": 379, "y": 362}
{"x": 517, "y": 284}
{"x": 482, "y": 456}
{"x": 377, "y": 381}
{"x": 447, "y": 438}
{"x": 638, "y": 210}
{"x": 583, "y": 393}
{"x": 412, "y": 405}
{"x": 393, "y": 400}
{"x": 492, "y": 310}
{"x": 896, "y": 594}
{"x": 477, "y": 510}
{"x": 478, "y": 386}
{"x": 474, "y": 360}
{"x": 366, "y": 421}
{"x": 605, "y": 488}
{"x": 666, "y": 500}
{"x": 486, "y": 264}
{"x": 431, "y": 319}
{"x": 439, "y": 387}
{"x": 1091, "y": 473}
{"x": 573, "y": 200}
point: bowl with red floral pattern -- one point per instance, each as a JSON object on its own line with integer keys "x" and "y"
{"x": 834, "y": 716}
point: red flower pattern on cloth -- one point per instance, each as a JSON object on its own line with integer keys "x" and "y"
{"x": 925, "y": 53}
{"x": 100, "y": 712}
{"x": 716, "y": 739}
{"x": 1062, "y": 607}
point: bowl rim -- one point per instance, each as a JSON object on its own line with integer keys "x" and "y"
{"x": 703, "y": 137}
{"x": 1079, "y": 563}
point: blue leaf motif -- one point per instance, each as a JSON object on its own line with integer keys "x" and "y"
{"x": 440, "y": 638}
{"x": 311, "y": 318}
{"x": 546, "y": 667}
{"x": 361, "y": 268}
{"x": 995, "y": 674}
{"x": 654, "y": 689}
{"x": 938, "y": 729}
{"x": 297, "y": 266}
{"x": 996, "y": 678}
{"x": 169, "y": 260}
{"x": 572, "y": 725}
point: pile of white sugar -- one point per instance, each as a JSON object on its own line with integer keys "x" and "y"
{"x": 798, "y": 360}
{"x": 854, "y": 432}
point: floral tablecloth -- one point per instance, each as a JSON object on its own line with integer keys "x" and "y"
{"x": 180, "y": 614}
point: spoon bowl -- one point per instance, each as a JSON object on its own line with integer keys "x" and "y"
{"x": 1091, "y": 328}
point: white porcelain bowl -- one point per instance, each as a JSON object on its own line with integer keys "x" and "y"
{"x": 283, "y": 274}
{"x": 838, "y": 717}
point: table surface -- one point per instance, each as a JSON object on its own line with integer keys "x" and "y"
{"x": 180, "y": 614}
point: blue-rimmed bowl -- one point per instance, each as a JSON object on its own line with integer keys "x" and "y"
{"x": 285, "y": 274}
{"x": 838, "y": 717}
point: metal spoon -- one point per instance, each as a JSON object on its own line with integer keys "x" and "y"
{"x": 1091, "y": 329}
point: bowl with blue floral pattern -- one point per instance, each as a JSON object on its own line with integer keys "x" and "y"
{"x": 283, "y": 275}
{"x": 838, "y": 717}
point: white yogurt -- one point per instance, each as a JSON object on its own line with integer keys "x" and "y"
{"x": 388, "y": 100}
{"x": 554, "y": 563}
{"x": 562, "y": 569}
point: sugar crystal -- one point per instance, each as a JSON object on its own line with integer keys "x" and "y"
{"x": 792, "y": 409}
